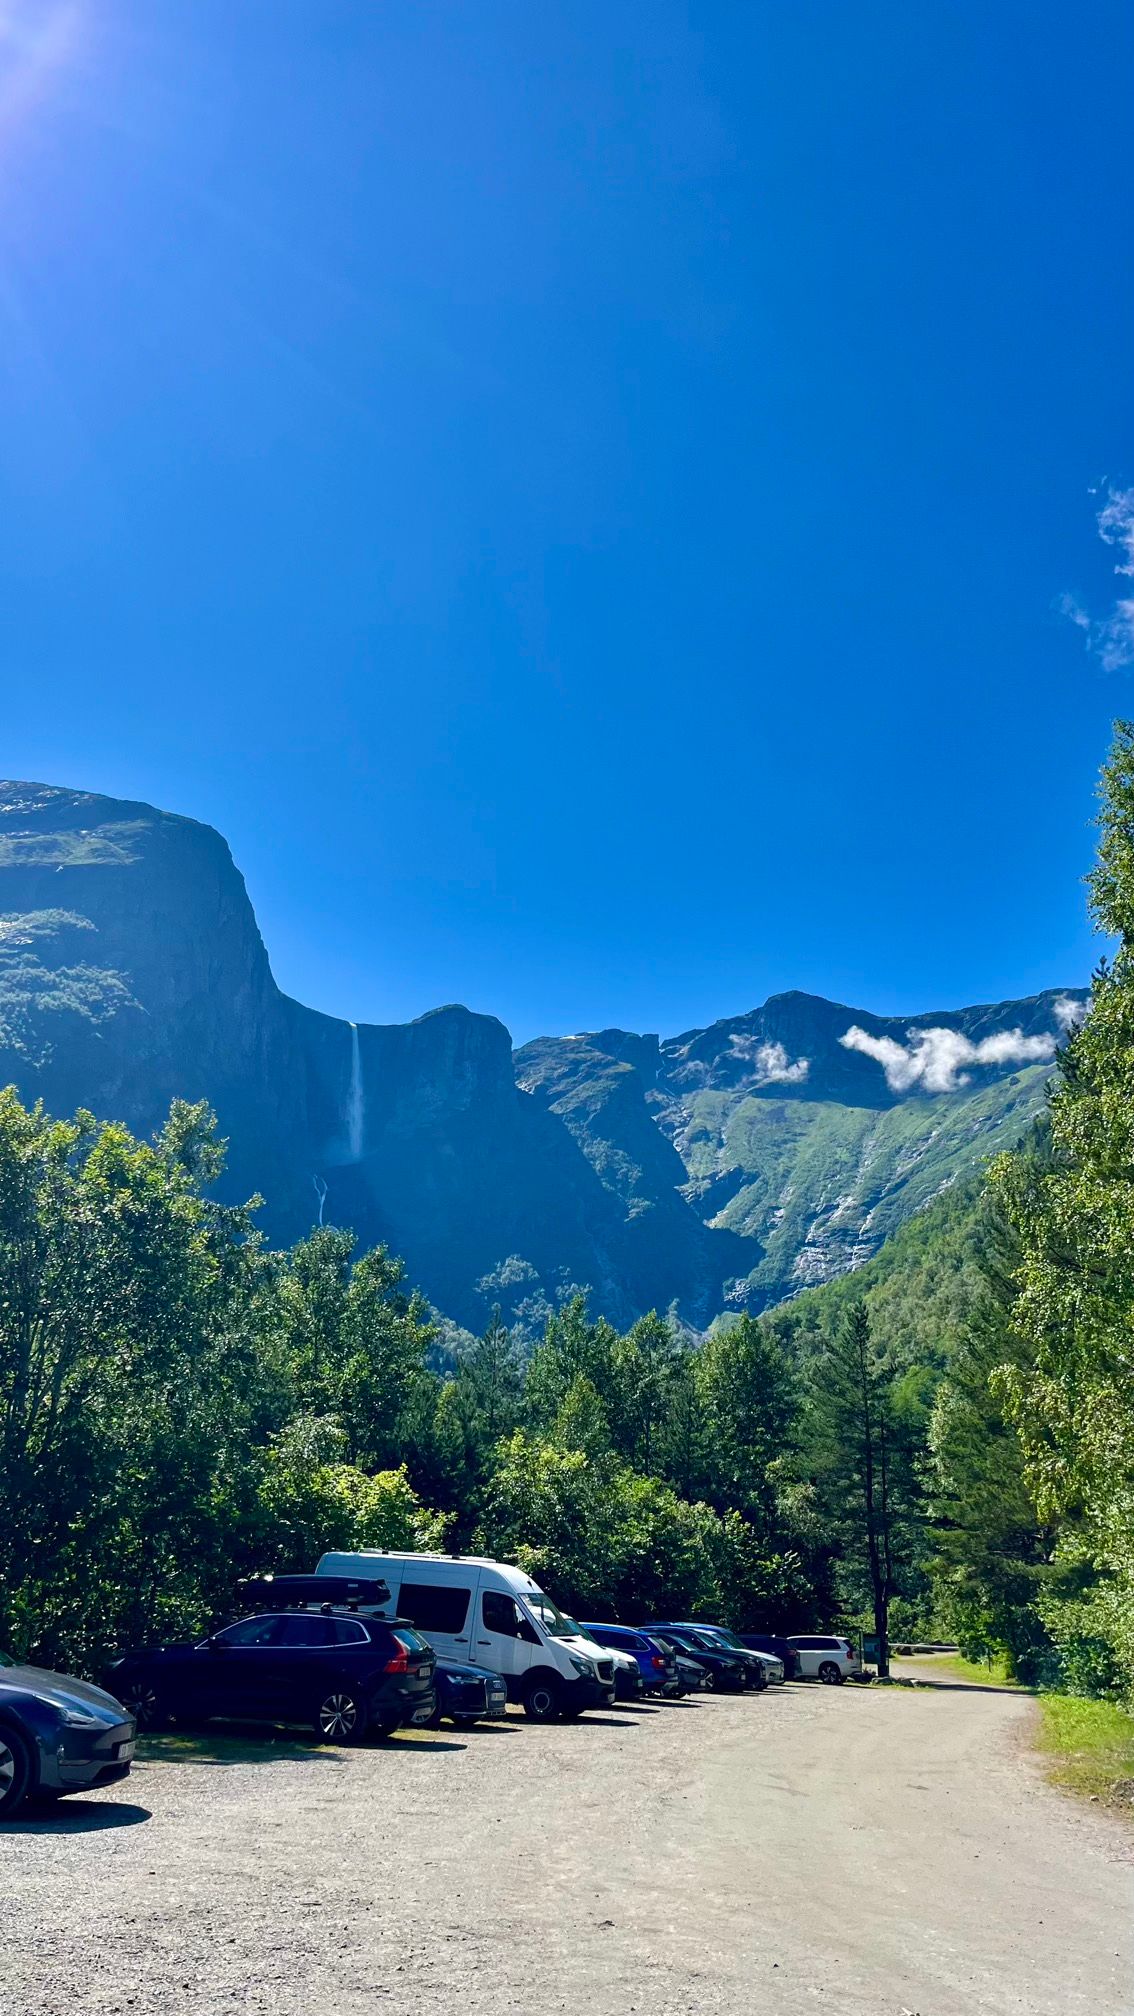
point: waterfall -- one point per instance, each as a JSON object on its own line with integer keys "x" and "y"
{"x": 355, "y": 1102}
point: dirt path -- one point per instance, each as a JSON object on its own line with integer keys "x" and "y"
{"x": 854, "y": 1850}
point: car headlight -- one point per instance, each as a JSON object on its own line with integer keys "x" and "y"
{"x": 584, "y": 1667}
{"x": 81, "y": 1718}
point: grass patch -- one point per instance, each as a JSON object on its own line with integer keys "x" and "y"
{"x": 1089, "y": 1746}
{"x": 982, "y": 1673}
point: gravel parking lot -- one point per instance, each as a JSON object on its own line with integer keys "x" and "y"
{"x": 867, "y": 1850}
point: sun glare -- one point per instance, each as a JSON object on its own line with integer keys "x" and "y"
{"x": 36, "y": 40}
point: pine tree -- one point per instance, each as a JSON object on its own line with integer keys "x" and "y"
{"x": 864, "y": 1460}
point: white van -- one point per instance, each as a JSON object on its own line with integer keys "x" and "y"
{"x": 485, "y": 1613}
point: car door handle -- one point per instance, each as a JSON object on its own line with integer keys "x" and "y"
{"x": 484, "y": 1641}
{"x": 462, "y": 1639}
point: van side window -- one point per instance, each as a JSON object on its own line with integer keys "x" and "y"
{"x": 434, "y": 1606}
{"x": 500, "y": 1614}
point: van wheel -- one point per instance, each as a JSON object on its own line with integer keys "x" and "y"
{"x": 542, "y": 1700}
{"x": 830, "y": 1674}
{"x": 15, "y": 1772}
{"x": 340, "y": 1718}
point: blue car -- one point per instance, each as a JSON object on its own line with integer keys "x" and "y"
{"x": 467, "y": 1694}
{"x": 656, "y": 1663}
{"x": 57, "y": 1735}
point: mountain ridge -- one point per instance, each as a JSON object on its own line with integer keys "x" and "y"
{"x": 649, "y": 1169}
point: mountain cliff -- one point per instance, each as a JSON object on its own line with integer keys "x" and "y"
{"x": 808, "y": 1130}
{"x": 734, "y": 1163}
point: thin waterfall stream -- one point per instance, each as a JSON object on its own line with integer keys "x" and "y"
{"x": 356, "y": 1101}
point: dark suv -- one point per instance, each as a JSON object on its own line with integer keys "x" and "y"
{"x": 332, "y": 1665}
{"x": 728, "y": 1671}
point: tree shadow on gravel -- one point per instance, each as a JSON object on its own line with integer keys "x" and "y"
{"x": 233, "y": 1745}
{"x": 927, "y": 1686}
{"x": 237, "y": 1745}
{"x": 417, "y": 1746}
{"x": 585, "y": 1722}
{"x": 75, "y": 1816}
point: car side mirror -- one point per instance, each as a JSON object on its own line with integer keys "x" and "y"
{"x": 526, "y": 1632}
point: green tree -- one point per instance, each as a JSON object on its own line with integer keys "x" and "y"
{"x": 492, "y": 1382}
{"x": 644, "y": 1368}
{"x": 573, "y": 1346}
{"x": 137, "y": 1371}
{"x": 991, "y": 1552}
{"x": 549, "y": 1509}
{"x": 750, "y": 1403}
{"x": 357, "y": 1343}
{"x": 314, "y": 1502}
{"x": 1071, "y": 1391}
{"x": 865, "y": 1468}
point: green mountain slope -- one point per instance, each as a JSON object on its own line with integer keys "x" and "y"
{"x": 822, "y": 1185}
{"x": 805, "y": 1132}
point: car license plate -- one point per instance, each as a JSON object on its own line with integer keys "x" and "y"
{"x": 124, "y": 1752}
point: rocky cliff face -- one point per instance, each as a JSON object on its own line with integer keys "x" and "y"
{"x": 733, "y": 1163}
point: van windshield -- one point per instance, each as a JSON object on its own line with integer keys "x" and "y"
{"x": 549, "y": 1614}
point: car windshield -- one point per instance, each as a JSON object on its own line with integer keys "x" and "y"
{"x": 724, "y": 1637}
{"x": 577, "y": 1630}
{"x": 550, "y": 1615}
{"x": 693, "y": 1642}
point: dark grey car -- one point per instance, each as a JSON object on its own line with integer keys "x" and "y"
{"x": 57, "y": 1735}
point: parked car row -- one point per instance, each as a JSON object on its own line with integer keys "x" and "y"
{"x": 371, "y": 1643}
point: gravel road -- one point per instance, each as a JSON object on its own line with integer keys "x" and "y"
{"x": 859, "y": 1850}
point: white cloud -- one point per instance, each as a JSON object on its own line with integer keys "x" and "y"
{"x": 934, "y": 1059}
{"x": 770, "y": 1061}
{"x": 1111, "y": 637}
{"x": 1069, "y": 1013}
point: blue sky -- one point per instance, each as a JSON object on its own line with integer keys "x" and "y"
{"x": 578, "y": 494}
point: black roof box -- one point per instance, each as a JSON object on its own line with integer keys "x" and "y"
{"x": 289, "y": 1592}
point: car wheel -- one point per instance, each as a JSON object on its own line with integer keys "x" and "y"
{"x": 16, "y": 1772}
{"x": 341, "y": 1718}
{"x": 542, "y": 1700}
{"x": 145, "y": 1705}
{"x": 830, "y": 1674}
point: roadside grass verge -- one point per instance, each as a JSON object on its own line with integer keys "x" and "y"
{"x": 1089, "y": 1748}
{"x": 982, "y": 1673}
